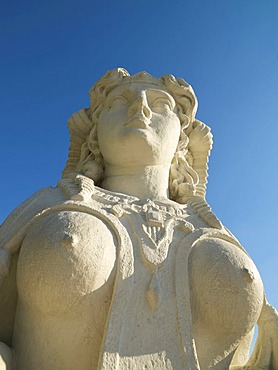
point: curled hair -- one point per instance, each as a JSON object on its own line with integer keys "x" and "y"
{"x": 188, "y": 171}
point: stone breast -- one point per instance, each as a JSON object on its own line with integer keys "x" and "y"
{"x": 65, "y": 257}
{"x": 226, "y": 295}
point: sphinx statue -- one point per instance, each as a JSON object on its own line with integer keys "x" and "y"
{"x": 124, "y": 265}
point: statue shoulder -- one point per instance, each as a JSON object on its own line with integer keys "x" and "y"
{"x": 12, "y": 231}
{"x": 21, "y": 215}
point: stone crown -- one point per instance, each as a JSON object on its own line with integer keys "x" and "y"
{"x": 142, "y": 77}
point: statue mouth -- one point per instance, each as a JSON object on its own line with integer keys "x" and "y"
{"x": 138, "y": 121}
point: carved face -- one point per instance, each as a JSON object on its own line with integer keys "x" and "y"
{"x": 138, "y": 125}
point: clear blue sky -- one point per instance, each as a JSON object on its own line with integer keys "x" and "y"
{"x": 53, "y": 51}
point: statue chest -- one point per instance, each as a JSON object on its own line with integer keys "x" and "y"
{"x": 67, "y": 266}
{"x": 65, "y": 257}
{"x": 66, "y": 274}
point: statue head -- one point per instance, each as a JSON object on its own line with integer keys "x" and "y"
{"x": 188, "y": 169}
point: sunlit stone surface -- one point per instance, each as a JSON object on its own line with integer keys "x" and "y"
{"x": 123, "y": 265}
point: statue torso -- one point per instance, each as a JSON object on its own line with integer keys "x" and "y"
{"x": 67, "y": 267}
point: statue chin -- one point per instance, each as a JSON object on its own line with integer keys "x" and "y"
{"x": 138, "y": 272}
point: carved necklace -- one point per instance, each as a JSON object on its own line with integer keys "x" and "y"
{"x": 153, "y": 222}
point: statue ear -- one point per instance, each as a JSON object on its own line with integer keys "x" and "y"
{"x": 199, "y": 147}
{"x": 80, "y": 125}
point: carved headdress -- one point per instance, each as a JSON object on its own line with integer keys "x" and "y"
{"x": 188, "y": 173}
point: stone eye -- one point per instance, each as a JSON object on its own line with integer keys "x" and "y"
{"x": 159, "y": 104}
{"x": 118, "y": 101}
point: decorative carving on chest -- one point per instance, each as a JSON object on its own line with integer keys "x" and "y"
{"x": 153, "y": 223}
{"x": 155, "y": 241}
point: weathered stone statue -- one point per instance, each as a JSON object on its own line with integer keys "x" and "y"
{"x": 123, "y": 265}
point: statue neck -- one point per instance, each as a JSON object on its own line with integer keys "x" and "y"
{"x": 142, "y": 182}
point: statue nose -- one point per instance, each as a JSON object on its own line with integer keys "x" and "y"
{"x": 140, "y": 106}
